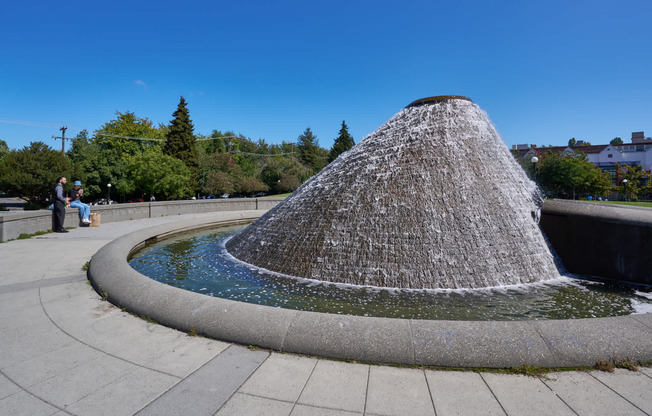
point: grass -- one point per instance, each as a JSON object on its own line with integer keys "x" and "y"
{"x": 277, "y": 196}
{"x": 24, "y": 236}
{"x": 630, "y": 203}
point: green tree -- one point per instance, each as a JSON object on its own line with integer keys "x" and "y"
{"x": 218, "y": 183}
{"x": 4, "y": 149}
{"x": 572, "y": 142}
{"x": 32, "y": 171}
{"x": 616, "y": 140}
{"x": 565, "y": 175}
{"x": 153, "y": 173}
{"x": 181, "y": 142}
{"x": 310, "y": 154}
{"x": 250, "y": 185}
{"x": 283, "y": 173}
{"x": 343, "y": 143}
{"x": 287, "y": 183}
{"x": 631, "y": 185}
{"x": 219, "y": 174}
{"x": 95, "y": 165}
{"x": 129, "y": 125}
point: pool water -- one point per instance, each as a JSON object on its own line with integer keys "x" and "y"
{"x": 197, "y": 261}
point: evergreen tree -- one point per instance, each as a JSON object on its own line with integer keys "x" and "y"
{"x": 309, "y": 151}
{"x": 181, "y": 142}
{"x": 343, "y": 143}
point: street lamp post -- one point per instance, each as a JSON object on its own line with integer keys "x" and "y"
{"x": 108, "y": 194}
{"x": 534, "y": 161}
{"x": 625, "y": 186}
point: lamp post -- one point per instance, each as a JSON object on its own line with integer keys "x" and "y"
{"x": 108, "y": 194}
{"x": 625, "y": 187}
{"x": 534, "y": 161}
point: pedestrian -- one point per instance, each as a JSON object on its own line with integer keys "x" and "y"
{"x": 59, "y": 208}
{"x": 75, "y": 195}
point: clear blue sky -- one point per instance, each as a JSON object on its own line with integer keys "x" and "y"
{"x": 544, "y": 71}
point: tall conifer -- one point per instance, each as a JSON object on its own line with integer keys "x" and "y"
{"x": 343, "y": 143}
{"x": 181, "y": 142}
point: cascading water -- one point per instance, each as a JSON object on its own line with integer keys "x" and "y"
{"x": 432, "y": 199}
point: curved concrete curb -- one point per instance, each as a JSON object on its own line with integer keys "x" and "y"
{"x": 561, "y": 343}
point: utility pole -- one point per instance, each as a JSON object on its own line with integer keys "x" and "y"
{"x": 63, "y": 139}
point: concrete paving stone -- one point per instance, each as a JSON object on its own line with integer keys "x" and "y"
{"x": 140, "y": 386}
{"x": 14, "y": 321}
{"x": 461, "y": 393}
{"x": 587, "y": 396}
{"x": 246, "y": 405}
{"x": 24, "y": 404}
{"x": 37, "y": 284}
{"x": 207, "y": 389}
{"x": 7, "y": 387}
{"x": 633, "y": 386}
{"x": 303, "y": 410}
{"x": 30, "y": 343}
{"x": 187, "y": 355}
{"x": 646, "y": 370}
{"x": 337, "y": 385}
{"x": 523, "y": 395}
{"x": 17, "y": 302}
{"x": 280, "y": 377}
{"x": 141, "y": 346}
{"x": 398, "y": 391}
{"x": 42, "y": 367}
{"x": 68, "y": 387}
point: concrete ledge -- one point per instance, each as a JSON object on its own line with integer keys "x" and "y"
{"x": 598, "y": 239}
{"x": 14, "y": 223}
{"x": 381, "y": 340}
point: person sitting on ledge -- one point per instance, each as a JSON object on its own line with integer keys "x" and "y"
{"x": 75, "y": 201}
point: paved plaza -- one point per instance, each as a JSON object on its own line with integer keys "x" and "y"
{"x": 64, "y": 350}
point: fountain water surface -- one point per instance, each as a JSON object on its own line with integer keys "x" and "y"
{"x": 432, "y": 199}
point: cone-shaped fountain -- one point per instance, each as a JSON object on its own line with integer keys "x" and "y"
{"x": 432, "y": 199}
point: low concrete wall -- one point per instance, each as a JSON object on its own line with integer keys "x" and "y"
{"x": 599, "y": 239}
{"x": 14, "y": 223}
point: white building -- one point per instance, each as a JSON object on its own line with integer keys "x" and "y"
{"x": 604, "y": 156}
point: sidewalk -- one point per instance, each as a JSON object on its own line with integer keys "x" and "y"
{"x": 63, "y": 350}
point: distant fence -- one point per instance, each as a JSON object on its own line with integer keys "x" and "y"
{"x": 15, "y": 223}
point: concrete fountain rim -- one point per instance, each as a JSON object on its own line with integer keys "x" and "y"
{"x": 462, "y": 344}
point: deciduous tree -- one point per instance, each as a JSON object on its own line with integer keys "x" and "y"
{"x": 154, "y": 173}
{"x": 32, "y": 171}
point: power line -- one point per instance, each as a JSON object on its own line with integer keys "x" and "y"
{"x": 27, "y": 123}
{"x": 131, "y": 137}
{"x": 208, "y": 138}
{"x": 160, "y": 140}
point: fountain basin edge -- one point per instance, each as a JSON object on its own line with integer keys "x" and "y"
{"x": 490, "y": 344}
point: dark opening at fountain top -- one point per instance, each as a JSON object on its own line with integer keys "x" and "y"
{"x": 430, "y": 100}
{"x": 432, "y": 199}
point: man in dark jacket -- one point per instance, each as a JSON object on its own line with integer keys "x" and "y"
{"x": 59, "y": 209}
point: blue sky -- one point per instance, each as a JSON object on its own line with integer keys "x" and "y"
{"x": 543, "y": 71}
